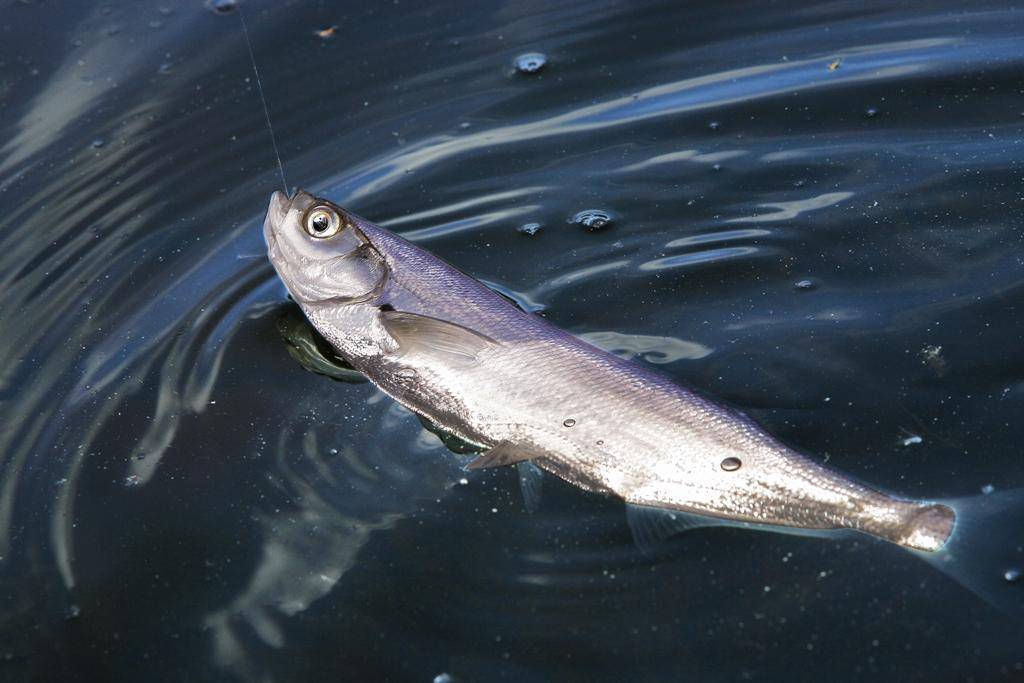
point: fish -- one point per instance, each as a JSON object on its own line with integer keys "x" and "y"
{"x": 525, "y": 392}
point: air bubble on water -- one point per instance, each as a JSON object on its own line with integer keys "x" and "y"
{"x": 165, "y": 68}
{"x": 530, "y": 63}
{"x": 805, "y": 284}
{"x": 871, "y": 112}
{"x": 1012, "y": 575}
{"x": 222, "y": 6}
{"x": 98, "y": 142}
{"x": 529, "y": 229}
{"x": 987, "y": 489}
{"x": 463, "y": 482}
{"x": 593, "y": 219}
{"x": 443, "y": 678}
{"x": 714, "y": 126}
{"x": 569, "y": 422}
{"x": 332, "y": 451}
{"x": 73, "y": 612}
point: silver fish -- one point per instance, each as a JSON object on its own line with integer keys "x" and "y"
{"x": 451, "y": 349}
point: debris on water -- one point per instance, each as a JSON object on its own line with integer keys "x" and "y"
{"x": 73, "y": 612}
{"x": 222, "y": 6}
{"x": 132, "y": 480}
{"x": 931, "y": 355}
{"x": 463, "y": 482}
{"x": 443, "y": 678}
{"x": 592, "y": 219}
{"x": 805, "y": 284}
{"x": 531, "y": 62}
{"x": 98, "y": 142}
{"x": 1012, "y": 575}
{"x": 714, "y": 126}
{"x": 332, "y": 451}
{"x": 987, "y": 489}
{"x": 165, "y": 68}
{"x": 326, "y": 33}
{"x": 871, "y": 112}
{"x": 911, "y": 440}
{"x": 832, "y": 66}
{"x": 529, "y": 229}
{"x": 716, "y": 167}
{"x": 569, "y": 422}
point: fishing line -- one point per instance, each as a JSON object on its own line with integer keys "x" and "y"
{"x": 263, "y": 99}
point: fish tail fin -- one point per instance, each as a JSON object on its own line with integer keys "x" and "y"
{"x": 985, "y": 552}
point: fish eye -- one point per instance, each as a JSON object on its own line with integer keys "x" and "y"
{"x": 323, "y": 222}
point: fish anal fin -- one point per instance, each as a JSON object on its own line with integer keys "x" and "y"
{"x": 433, "y": 336}
{"x": 651, "y": 526}
{"x": 505, "y": 453}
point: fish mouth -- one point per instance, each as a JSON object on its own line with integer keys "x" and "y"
{"x": 280, "y": 204}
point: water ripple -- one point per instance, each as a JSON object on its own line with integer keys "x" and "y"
{"x": 784, "y": 211}
{"x": 701, "y": 257}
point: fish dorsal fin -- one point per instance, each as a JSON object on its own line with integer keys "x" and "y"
{"x": 531, "y": 478}
{"x": 505, "y": 453}
{"x": 421, "y": 333}
{"x": 651, "y": 526}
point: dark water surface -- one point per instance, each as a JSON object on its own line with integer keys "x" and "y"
{"x": 816, "y": 214}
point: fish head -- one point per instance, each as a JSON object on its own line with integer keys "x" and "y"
{"x": 320, "y": 252}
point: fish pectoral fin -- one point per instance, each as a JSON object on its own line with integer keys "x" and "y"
{"x": 505, "y": 453}
{"x": 415, "y": 332}
{"x": 652, "y": 525}
{"x": 531, "y": 478}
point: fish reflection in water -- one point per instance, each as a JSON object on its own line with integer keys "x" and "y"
{"x": 337, "y": 498}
